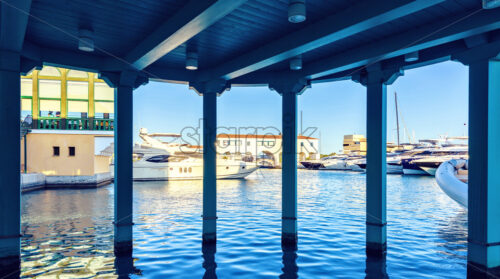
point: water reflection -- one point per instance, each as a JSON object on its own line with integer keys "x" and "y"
{"x": 12, "y": 269}
{"x": 453, "y": 234}
{"x": 124, "y": 266}
{"x": 376, "y": 268}
{"x": 290, "y": 267}
{"x": 209, "y": 264}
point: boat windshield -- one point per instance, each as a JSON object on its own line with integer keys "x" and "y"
{"x": 158, "y": 159}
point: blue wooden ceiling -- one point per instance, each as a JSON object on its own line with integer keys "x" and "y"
{"x": 119, "y": 26}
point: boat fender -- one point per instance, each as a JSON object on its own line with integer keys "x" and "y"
{"x": 466, "y": 165}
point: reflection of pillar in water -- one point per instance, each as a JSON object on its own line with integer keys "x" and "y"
{"x": 209, "y": 264}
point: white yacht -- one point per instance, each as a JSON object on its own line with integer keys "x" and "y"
{"x": 335, "y": 163}
{"x": 157, "y": 160}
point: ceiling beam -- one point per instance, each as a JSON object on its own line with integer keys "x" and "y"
{"x": 186, "y": 23}
{"x": 359, "y": 17}
{"x": 440, "y": 32}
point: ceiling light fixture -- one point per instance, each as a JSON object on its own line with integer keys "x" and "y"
{"x": 411, "y": 57}
{"x": 296, "y": 63}
{"x": 85, "y": 40}
{"x": 191, "y": 60}
{"x": 491, "y": 4}
{"x": 297, "y": 11}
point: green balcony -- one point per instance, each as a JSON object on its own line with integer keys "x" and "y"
{"x": 56, "y": 123}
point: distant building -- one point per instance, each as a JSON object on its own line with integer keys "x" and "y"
{"x": 266, "y": 147}
{"x": 354, "y": 144}
{"x": 64, "y": 113}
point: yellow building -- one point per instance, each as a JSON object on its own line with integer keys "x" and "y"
{"x": 354, "y": 144}
{"x": 64, "y": 113}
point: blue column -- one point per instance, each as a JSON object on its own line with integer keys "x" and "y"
{"x": 10, "y": 180}
{"x": 376, "y": 233}
{"x": 289, "y": 168}
{"x": 209, "y": 167}
{"x": 484, "y": 166}
{"x": 123, "y": 169}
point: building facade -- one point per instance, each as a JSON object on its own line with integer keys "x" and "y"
{"x": 64, "y": 114}
{"x": 354, "y": 144}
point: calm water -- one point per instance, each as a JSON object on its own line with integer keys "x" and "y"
{"x": 69, "y": 233}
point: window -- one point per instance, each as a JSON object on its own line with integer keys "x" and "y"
{"x": 26, "y": 87}
{"x": 71, "y": 151}
{"x": 77, "y": 108}
{"x": 49, "y": 92}
{"x": 158, "y": 159}
{"x": 55, "y": 150}
{"x": 25, "y": 107}
{"x": 104, "y": 97}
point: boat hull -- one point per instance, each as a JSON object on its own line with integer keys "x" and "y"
{"x": 451, "y": 185}
{"x": 187, "y": 171}
{"x": 311, "y": 165}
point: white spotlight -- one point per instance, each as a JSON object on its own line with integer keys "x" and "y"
{"x": 297, "y": 11}
{"x": 491, "y": 4}
{"x": 296, "y": 63}
{"x": 85, "y": 40}
{"x": 411, "y": 57}
{"x": 191, "y": 60}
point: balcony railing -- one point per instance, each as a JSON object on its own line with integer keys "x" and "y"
{"x": 55, "y": 123}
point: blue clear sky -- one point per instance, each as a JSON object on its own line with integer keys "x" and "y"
{"x": 432, "y": 102}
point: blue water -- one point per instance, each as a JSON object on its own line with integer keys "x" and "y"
{"x": 70, "y": 232}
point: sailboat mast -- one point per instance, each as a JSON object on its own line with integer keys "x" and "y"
{"x": 397, "y": 114}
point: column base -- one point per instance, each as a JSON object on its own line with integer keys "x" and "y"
{"x": 124, "y": 265}
{"x": 10, "y": 267}
{"x": 478, "y": 271}
{"x": 209, "y": 238}
{"x": 123, "y": 248}
{"x": 376, "y": 250}
{"x": 289, "y": 239}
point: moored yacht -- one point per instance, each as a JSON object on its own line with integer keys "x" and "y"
{"x": 427, "y": 162}
{"x": 335, "y": 163}
{"x": 157, "y": 160}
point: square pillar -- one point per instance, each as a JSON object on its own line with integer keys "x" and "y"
{"x": 123, "y": 169}
{"x": 289, "y": 169}
{"x": 376, "y": 232}
{"x": 484, "y": 165}
{"x": 10, "y": 169}
{"x": 376, "y": 78}
{"x": 289, "y": 86}
{"x": 209, "y": 167}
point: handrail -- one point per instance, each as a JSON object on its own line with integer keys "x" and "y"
{"x": 74, "y": 123}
